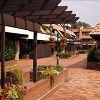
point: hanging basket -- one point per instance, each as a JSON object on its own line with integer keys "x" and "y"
{"x": 52, "y": 39}
{"x": 63, "y": 45}
{"x": 52, "y": 45}
{"x": 63, "y": 39}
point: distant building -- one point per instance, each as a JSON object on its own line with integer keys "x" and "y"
{"x": 84, "y": 38}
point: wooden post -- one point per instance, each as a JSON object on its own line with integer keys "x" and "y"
{"x": 35, "y": 57}
{"x": 2, "y": 56}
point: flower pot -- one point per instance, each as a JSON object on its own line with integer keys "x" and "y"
{"x": 51, "y": 39}
{"x": 52, "y": 45}
{"x": 63, "y": 39}
{"x": 63, "y": 45}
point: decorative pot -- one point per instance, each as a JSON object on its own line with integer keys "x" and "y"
{"x": 63, "y": 45}
{"x": 63, "y": 39}
{"x": 52, "y": 45}
{"x": 52, "y": 39}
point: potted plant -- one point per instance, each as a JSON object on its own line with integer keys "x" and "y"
{"x": 63, "y": 45}
{"x": 51, "y": 73}
{"x": 63, "y": 39}
{"x": 52, "y": 39}
{"x": 52, "y": 45}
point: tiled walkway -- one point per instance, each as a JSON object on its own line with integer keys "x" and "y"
{"x": 84, "y": 84}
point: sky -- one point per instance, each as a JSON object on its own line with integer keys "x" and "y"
{"x": 87, "y": 10}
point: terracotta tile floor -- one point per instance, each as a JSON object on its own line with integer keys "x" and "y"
{"x": 83, "y": 85}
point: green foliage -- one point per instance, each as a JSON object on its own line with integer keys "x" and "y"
{"x": 94, "y": 55}
{"x": 41, "y": 67}
{"x": 97, "y": 55}
{"x": 58, "y": 68}
{"x": 66, "y": 54}
{"x": 17, "y": 76}
{"x": 44, "y": 27}
{"x": 49, "y": 71}
{"x": 82, "y": 51}
{"x": 79, "y": 24}
{"x": 14, "y": 92}
{"x": 90, "y": 57}
{"x": 10, "y": 51}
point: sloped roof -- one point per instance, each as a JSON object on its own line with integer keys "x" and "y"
{"x": 95, "y": 34}
{"x": 60, "y": 29}
{"x": 96, "y": 30}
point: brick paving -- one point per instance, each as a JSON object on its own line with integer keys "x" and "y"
{"x": 84, "y": 84}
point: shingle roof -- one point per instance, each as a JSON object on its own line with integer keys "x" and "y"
{"x": 96, "y": 30}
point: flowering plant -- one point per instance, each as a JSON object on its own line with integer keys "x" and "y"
{"x": 13, "y": 92}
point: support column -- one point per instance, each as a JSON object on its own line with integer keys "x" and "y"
{"x": 35, "y": 57}
{"x": 2, "y": 56}
{"x": 17, "y": 49}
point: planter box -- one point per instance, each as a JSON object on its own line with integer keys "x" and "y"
{"x": 93, "y": 65}
{"x": 63, "y": 57}
{"x": 40, "y": 88}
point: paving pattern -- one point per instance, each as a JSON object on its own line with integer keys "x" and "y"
{"x": 84, "y": 84}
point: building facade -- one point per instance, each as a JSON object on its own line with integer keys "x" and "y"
{"x": 84, "y": 38}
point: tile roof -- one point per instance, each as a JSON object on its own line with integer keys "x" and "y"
{"x": 96, "y": 30}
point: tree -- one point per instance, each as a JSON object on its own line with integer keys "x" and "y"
{"x": 80, "y": 24}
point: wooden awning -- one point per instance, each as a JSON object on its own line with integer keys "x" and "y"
{"x": 28, "y": 14}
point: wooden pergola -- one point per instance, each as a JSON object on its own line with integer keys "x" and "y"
{"x": 28, "y": 15}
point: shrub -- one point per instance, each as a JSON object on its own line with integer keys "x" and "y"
{"x": 58, "y": 68}
{"x": 94, "y": 55}
{"x": 97, "y": 55}
{"x": 67, "y": 54}
{"x": 90, "y": 57}
{"x": 41, "y": 67}
{"x": 10, "y": 51}
{"x": 82, "y": 51}
{"x": 17, "y": 76}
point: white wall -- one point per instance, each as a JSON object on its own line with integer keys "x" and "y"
{"x": 30, "y": 34}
